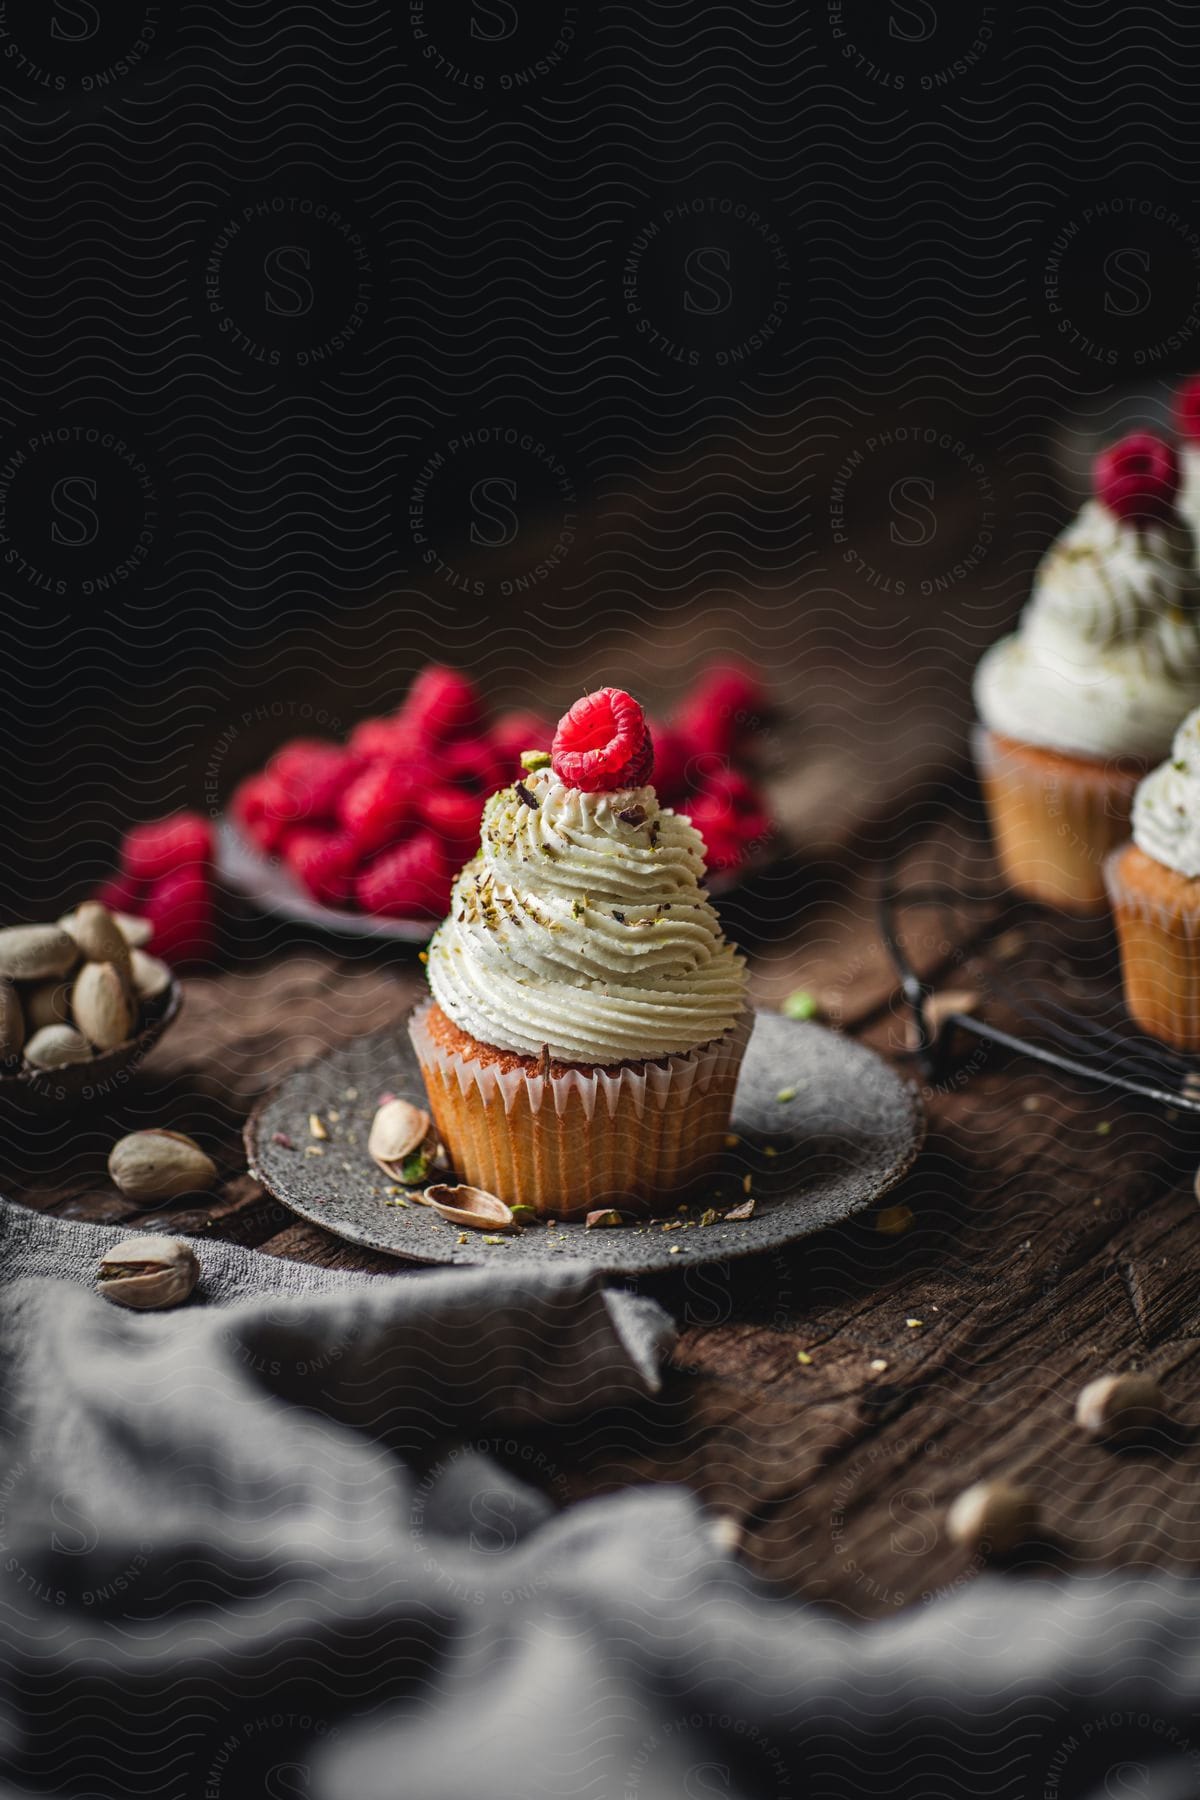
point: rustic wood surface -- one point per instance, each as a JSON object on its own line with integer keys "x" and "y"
{"x": 1048, "y": 1233}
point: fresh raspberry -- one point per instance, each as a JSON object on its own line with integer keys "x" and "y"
{"x": 381, "y": 737}
{"x": 603, "y": 743}
{"x": 454, "y": 816}
{"x": 1187, "y": 410}
{"x": 514, "y": 732}
{"x": 1138, "y": 479}
{"x": 180, "y": 908}
{"x": 672, "y": 757}
{"x": 379, "y": 805}
{"x": 442, "y": 704}
{"x": 163, "y": 845}
{"x": 723, "y": 849}
{"x": 323, "y": 862}
{"x": 723, "y": 707}
{"x": 729, "y": 813}
{"x": 262, "y": 806}
{"x": 315, "y": 775}
{"x": 472, "y": 764}
{"x": 412, "y": 881}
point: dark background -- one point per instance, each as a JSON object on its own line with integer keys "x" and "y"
{"x": 813, "y": 310}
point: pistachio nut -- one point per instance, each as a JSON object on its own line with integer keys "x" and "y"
{"x": 136, "y": 932}
{"x": 993, "y": 1517}
{"x": 12, "y": 1022}
{"x": 55, "y": 1046}
{"x": 159, "y": 1165}
{"x": 36, "y": 952}
{"x": 151, "y": 977}
{"x": 47, "y": 1003}
{"x": 148, "y": 1271}
{"x": 1120, "y": 1406}
{"x": 101, "y": 940}
{"x": 100, "y": 1005}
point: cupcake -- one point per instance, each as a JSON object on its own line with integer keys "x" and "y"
{"x": 1154, "y": 886}
{"x": 1084, "y": 697}
{"x": 588, "y": 1019}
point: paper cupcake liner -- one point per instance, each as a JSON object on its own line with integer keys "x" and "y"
{"x": 567, "y": 1143}
{"x": 1160, "y": 956}
{"x": 1054, "y": 822}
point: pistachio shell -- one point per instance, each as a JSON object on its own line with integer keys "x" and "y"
{"x": 159, "y": 1165}
{"x": 468, "y": 1206}
{"x": 36, "y": 952}
{"x": 12, "y": 1022}
{"x": 151, "y": 977}
{"x": 100, "y": 1005}
{"x": 49, "y": 1003}
{"x": 55, "y": 1046}
{"x": 148, "y": 1271}
{"x": 398, "y": 1130}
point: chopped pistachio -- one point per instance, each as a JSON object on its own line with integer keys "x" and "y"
{"x": 316, "y": 1127}
{"x": 802, "y": 1356}
{"x": 785, "y": 1094}
{"x": 801, "y": 1005}
{"x": 894, "y": 1220}
{"x": 533, "y": 760}
{"x": 914, "y": 1324}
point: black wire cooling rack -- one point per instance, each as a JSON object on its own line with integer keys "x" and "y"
{"x": 1100, "y": 1045}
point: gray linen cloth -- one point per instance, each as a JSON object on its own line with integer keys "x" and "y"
{"x": 306, "y": 1536}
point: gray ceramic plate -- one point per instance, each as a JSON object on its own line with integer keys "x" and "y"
{"x": 849, "y": 1133}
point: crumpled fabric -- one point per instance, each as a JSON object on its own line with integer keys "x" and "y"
{"x": 306, "y": 1536}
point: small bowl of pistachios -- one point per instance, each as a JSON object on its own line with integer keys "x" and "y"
{"x": 81, "y": 1002}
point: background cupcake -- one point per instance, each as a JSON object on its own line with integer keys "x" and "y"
{"x": 1154, "y": 885}
{"x": 1078, "y": 703}
{"x": 588, "y": 1017}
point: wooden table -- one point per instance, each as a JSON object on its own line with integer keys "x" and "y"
{"x": 1049, "y": 1232}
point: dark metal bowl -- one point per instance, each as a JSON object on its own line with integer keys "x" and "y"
{"x": 104, "y": 1076}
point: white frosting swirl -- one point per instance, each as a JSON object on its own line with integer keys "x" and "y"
{"x": 582, "y": 926}
{"x": 1166, "y": 807}
{"x": 1107, "y": 658}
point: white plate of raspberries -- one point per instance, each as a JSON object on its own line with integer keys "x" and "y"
{"x": 366, "y": 837}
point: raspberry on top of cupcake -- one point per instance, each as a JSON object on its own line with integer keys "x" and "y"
{"x": 1187, "y": 417}
{"x": 581, "y": 927}
{"x": 1107, "y": 656}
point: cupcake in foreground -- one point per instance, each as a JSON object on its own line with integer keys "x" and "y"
{"x": 1154, "y": 886}
{"x": 1079, "y": 702}
{"x": 588, "y": 1019}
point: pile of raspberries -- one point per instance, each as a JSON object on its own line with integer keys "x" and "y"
{"x": 383, "y": 823}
